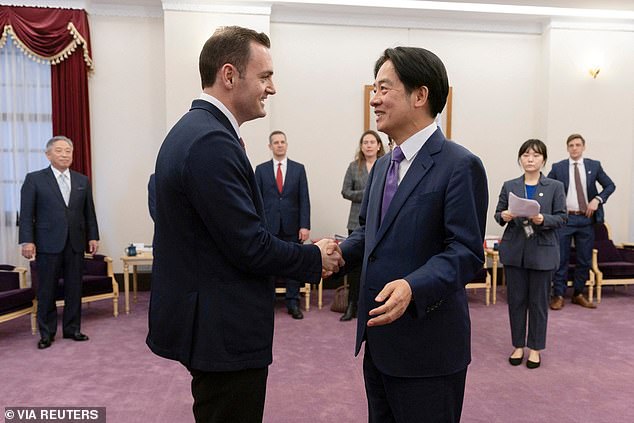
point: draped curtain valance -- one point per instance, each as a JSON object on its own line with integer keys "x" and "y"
{"x": 52, "y": 35}
{"x": 46, "y": 34}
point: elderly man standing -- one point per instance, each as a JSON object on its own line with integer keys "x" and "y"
{"x": 57, "y": 222}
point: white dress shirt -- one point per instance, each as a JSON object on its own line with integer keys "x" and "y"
{"x": 572, "y": 204}
{"x": 284, "y": 164}
{"x": 57, "y": 174}
{"x": 412, "y": 146}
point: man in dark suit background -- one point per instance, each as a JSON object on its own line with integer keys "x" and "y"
{"x": 420, "y": 238}
{"x": 585, "y": 207}
{"x": 284, "y": 188}
{"x": 212, "y": 298}
{"x": 57, "y": 219}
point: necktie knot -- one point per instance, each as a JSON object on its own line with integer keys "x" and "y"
{"x": 397, "y": 155}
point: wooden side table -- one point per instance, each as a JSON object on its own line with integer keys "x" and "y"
{"x": 134, "y": 261}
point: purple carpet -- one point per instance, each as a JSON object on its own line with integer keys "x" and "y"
{"x": 586, "y": 375}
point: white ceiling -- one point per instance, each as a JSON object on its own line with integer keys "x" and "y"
{"x": 585, "y": 4}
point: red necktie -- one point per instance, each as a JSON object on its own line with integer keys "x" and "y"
{"x": 279, "y": 179}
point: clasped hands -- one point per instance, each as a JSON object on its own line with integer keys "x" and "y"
{"x": 331, "y": 257}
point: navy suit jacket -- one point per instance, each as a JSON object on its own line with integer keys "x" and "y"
{"x": 212, "y": 299}
{"x": 46, "y": 221}
{"x": 541, "y": 251}
{"x": 431, "y": 236}
{"x": 594, "y": 174}
{"x": 289, "y": 211}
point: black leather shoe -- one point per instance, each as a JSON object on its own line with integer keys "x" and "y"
{"x": 77, "y": 336}
{"x": 533, "y": 364}
{"x": 44, "y": 343}
{"x": 351, "y": 313}
{"x": 516, "y": 361}
{"x": 296, "y": 313}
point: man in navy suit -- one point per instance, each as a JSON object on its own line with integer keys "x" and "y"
{"x": 212, "y": 299}
{"x": 420, "y": 239}
{"x": 57, "y": 221}
{"x": 585, "y": 207}
{"x": 284, "y": 189}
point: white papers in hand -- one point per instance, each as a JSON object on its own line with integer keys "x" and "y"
{"x": 521, "y": 207}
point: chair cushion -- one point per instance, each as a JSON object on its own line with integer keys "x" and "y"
{"x": 617, "y": 270}
{"x": 607, "y": 251}
{"x": 17, "y": 299}
{"x": 95, "y": 266}
{"x": 93, "y": 285}
{"x": 9, "y": 280}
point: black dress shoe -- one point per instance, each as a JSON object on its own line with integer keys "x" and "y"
{"x": 44, "y": 343}
{"x": 296, "y": 313}
{"x": 77, "y": 336}
{"x": 351, "y": 313}
{"x": 516, "y": 361}
{"x": 533, "y": 364}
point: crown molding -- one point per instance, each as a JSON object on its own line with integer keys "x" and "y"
{"x": 394, "y": 18}
{"x": 226, "y": 7}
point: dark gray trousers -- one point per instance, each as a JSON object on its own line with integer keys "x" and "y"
{"x": 528, "y": 294}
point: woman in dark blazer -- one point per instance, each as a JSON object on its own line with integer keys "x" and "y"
{"x": 370, "y": 149}
{"x": 530, "y": 251}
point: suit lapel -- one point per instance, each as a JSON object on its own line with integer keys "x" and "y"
{"x": 375, "y": 198}
{"x": 74, "y": 188}
{"x": 270, "y": 176}
{"x": 54, "y": 186}
{"x": 290, "y": 169}
{"x": 416, "y": 172}
{"x": 517, "y": 187}
{"x": 590, "y": 180}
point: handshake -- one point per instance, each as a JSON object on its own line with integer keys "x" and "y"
{"x": 331, "y": 257}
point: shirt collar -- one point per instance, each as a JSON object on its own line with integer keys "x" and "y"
{"x": 213, "y": 100}
{"x": 275, "y": 161}
{"x": 413, "y": 144}
{"x": 56, "y": 172}
{"x": 572, "y": 162}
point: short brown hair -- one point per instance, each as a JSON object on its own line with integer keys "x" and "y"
{"x": 228, "y": 44}
{"x": 575, "y": 136}
{"x": 278, "y": 132}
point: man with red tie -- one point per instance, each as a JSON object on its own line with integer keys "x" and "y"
{"x": 585, "y": 208}
{"x": 284, "y": 188}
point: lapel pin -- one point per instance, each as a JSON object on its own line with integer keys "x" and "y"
{"x": 541, "y": 194}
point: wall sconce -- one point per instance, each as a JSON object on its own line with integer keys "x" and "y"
{"x": 594, "y": 71}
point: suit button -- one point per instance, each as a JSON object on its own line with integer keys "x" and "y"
{"x": 371, "y": 259}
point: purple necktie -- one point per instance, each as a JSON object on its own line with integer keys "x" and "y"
{"x": 391, "y": 182}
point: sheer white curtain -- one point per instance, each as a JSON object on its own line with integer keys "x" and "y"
{"x": 25, "y": 126}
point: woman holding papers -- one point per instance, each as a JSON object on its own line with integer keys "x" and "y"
{"x": 532, "y": 207}
{"x": 369, "y": 150}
